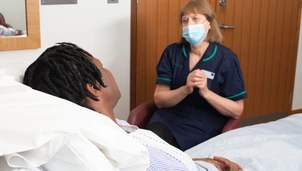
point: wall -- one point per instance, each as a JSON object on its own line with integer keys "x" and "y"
{"x": 297, "y": 95}
{"x": 14, "y": 13}
{"x": 100, "y": 28}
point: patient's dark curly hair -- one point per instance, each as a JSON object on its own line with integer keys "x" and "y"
{"x": 63, "y": 71}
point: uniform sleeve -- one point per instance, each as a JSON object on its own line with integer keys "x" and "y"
{"x": 164, "y": 68}
{"x": 233, "y": 87}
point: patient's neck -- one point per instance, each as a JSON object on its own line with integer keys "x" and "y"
{"x": 102, "y": 108}
{"x": 110, "y": 114}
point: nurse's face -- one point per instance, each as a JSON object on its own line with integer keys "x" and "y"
{"x": 194, "y": 18}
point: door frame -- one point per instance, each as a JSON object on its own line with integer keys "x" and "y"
{"x": 133, "y": 53}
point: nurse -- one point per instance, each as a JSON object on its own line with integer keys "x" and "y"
{"x": 199, "y": 84}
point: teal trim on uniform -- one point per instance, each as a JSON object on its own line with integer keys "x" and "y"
{"x": 204, "y": 60}
{"x": 165, "y": 79}
{"x": 178, "y": 65}
{"x": 184, "y": 51}
{"x": 236, "y": 95}
{"x": 210, "y": 57}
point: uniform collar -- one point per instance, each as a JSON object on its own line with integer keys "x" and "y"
{"x": 208, "y": 55}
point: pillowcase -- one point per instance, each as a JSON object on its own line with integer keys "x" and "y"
{"x": 79, "y": 154}
{"x": 12, "y": 68}
{"x": 68, "y": 152}
{"x": 4, "y": 167}
{"x": 31, "y": 119}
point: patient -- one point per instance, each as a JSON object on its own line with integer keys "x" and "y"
{"x": 7, "y": 29}
{"x": 67, "y": 71}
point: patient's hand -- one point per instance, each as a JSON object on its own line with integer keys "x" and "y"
{"x": 219, "y": 165}
{"x": 228, "y": 165}
{"x": 222, "y": 164}
{"x": 18, "y": 32}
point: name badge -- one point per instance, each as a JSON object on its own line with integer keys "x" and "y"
{"x": 209, "y": 75}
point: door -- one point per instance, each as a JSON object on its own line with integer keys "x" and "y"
{"x": 265, "y": 38}
{"x": 155, "y": 24}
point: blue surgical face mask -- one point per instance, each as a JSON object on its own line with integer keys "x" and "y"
{"x": 194, "y": 34}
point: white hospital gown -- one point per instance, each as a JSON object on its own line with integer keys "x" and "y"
{"x": 6, "y": 31}
{"x": 161, "y": 152}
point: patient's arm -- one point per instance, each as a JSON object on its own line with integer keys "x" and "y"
{"x": 221, "y": 163}
{"x": 9, "y": 31}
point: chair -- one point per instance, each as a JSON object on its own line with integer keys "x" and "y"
{"x": 141, "y": 115}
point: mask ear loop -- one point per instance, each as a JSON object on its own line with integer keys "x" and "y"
{"x": 209, "y": 27}
{"x": 206, "y": 33}
{"x": 206, "y": 23}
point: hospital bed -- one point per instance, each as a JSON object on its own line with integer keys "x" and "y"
{"x": 44, "y": 133}
{"x": 273, "y": 146}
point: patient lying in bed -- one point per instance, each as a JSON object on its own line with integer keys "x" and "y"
{"x": 69, "y": 72}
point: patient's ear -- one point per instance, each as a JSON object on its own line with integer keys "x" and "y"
{"x": 92, "y": 90}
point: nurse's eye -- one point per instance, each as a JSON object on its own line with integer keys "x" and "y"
{"x": 195, "y": 18}
{"x": 184, "y": 20}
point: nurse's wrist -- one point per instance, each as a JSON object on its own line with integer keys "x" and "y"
{"x": 187, "y": 90}
{"x": 205, "y": 93}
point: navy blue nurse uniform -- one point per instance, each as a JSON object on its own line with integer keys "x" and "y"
{"x": 194, "y": 120}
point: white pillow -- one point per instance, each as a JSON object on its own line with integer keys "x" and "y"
{"x": 5, "y": 167}
{"x": 12, "y": 68}
{"x": 79, "y": 155}
{"x": 68, "y": 152}
{"x": 30, "y": 119}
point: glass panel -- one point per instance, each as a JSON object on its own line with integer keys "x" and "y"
{"x": 12, "y": 18}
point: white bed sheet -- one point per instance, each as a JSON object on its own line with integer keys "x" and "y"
{"x": 270, "y": 146}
